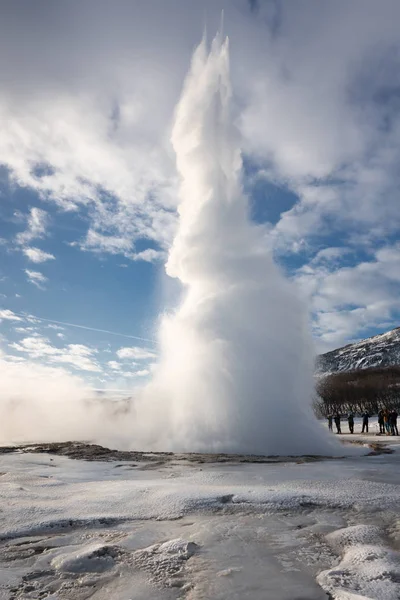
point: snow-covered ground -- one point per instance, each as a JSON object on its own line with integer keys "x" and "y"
{"x": 74, "y": 529}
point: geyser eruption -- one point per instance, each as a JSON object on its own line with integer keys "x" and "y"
{"x": 236, "y": 361}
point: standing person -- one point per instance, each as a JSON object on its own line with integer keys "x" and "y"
{"x": 393, "y": 422}
{"x": 365, "y": 419}
{"x": 381, "y": 421}
{"x": 330, "y": 420}
{"x": 350, "y": 419}
{"x": 337, "y": 423}
{"x": 386, "y": 420}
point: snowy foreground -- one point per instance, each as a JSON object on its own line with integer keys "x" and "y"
{"x": 299, "y": 529}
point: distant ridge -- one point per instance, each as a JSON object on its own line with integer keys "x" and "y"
{"x": 378, "y": 351}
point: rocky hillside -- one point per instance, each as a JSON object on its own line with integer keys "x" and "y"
{"x": 381, "y": 350}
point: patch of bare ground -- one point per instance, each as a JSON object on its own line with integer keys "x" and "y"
{"x": 95, "y": 452}
{"x": 376, "y": 448}
{"x": 379, "y": 449}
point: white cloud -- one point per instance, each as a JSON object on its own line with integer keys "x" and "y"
{"x": 142, "y": 373}
{"x": 36, "y": 255}
{"x": 135, "y": 353}
{"x": 330, "y": 255}
{"x": 131, "y": 374}
{"x": 9, "y": 315}
{"x": 125, "y": 174}
{"x": 114, "y": 365}
{"x": 15, "y": 359}
{"x": 100, "y": 142}
{"x": 77, "y": 355}
{"x": 99, "y": 242}
{"x": 24, "y": 329}
{"x": 348, "y": 300}
{"x": 34, "y": 320}
{"x": 37, "y": 224}
{"x": 321, "y": 118}
{"x": 150, "y": 255}
{"x": 96, "y": 241}
{"x": 36, "y": 278}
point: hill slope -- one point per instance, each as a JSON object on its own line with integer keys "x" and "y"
{"x": 381, "y": 350}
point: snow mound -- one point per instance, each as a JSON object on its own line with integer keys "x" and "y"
{"x": 343, "y": 539}
{"x": 179, "y": 547}
{"x": 93, "y": 558}
{"x": 368, "y": 569}
{"x": 165, "y": 562}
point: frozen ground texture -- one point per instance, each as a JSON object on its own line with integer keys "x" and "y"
{"x": 295, "y": 530}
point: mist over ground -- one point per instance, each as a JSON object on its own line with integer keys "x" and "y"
{"x": 40, "y": 403}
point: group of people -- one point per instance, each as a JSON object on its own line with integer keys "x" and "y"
{"x": 387, "y": 420}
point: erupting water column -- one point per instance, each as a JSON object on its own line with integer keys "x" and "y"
{"x": 236, "y": 364}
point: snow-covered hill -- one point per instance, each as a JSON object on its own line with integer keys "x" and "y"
{"x": 381, "y": 350}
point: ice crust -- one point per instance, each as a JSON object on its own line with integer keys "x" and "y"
{"x": 368, "y": 570}
{"x": 190, "y": 531}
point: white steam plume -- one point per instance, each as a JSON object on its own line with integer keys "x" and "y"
{"x": 236, "y": 366}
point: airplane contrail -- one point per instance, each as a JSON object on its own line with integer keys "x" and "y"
{"x": 132, "y": 337}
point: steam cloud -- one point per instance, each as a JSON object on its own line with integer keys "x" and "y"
{"x": 236, "y": 367}
{"x": 235, "y": 372}
{"x": 40, "y": 403}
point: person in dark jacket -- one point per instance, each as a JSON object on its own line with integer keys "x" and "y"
{"x": 337, "y": 423}
{"x": 350, "y": 419}
{"x": 330, "y": 420}
{"x": 381, "y": 421}
{"x": 393, "y": 422}
{"x": 365, "y": 420}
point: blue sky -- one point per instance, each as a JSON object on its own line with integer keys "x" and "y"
{"x": 88, "y": 184}
{"x": 72, "y": 294}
